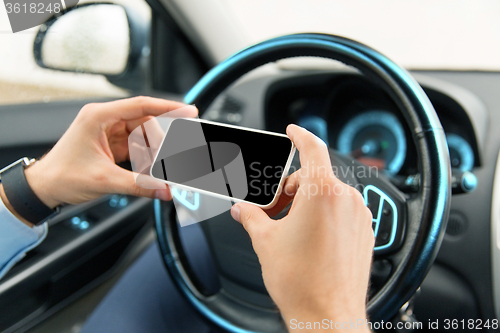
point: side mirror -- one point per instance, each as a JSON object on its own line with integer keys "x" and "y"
{"x": 97, "y": 38}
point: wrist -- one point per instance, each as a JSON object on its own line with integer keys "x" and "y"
{"x": 40, "y": 183}
{"x": 7, "y": 204}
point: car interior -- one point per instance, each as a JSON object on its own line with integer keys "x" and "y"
{"x": 437, "y": 252}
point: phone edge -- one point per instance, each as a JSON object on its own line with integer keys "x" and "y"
{"x": 220, "y": 196}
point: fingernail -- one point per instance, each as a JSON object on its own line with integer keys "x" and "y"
{"x": 235, "y": 212}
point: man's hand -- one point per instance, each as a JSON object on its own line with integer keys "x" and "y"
{"x": 316, "y": 260}
{"x": 82, "y": 165}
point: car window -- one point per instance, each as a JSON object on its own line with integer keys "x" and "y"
{"x": 425, "y": 34}
{"x": 23, "y": 81}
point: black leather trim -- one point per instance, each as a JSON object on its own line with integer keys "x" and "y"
{"x": 21, "y": 196}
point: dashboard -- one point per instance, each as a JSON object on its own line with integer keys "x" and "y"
{"x": 356, "y": 118}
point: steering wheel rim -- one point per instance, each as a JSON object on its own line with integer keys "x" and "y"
{"x": 428, "y": 210}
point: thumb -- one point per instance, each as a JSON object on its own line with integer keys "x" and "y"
{"x": 250, "y": 216}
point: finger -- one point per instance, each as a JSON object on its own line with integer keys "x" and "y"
{"x": 137, "y": 107}
{"x": 291, "y": 184}
{"x": 250, "y": 216}
{"x": 146, "y": 181}
{"x": 141, "y": 156}
{"x": 151, "y": 128}
{"x": 154, "y": 134}
{"x": 314, "y": 156}
{"x": 286, "y": 195}
{"x": 186, "y": 111}
{"x": 134, "y": 123}
{"x": 124, "y": 182}
{"x": 311, "y": 148}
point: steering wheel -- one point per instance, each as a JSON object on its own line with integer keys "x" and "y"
{"x": 409, "y": 228}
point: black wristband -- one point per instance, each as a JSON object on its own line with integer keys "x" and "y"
{"x": 21, "y": 196}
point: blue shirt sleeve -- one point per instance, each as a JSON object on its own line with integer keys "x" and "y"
{"x": 16, "y": 238}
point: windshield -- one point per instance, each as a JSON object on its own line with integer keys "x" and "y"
{"x": 425, "y": 34}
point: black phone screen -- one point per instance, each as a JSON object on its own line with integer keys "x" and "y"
{"x": 231, "y": 161}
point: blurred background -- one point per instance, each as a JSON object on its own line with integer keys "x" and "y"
{"x": 426, "y": 34}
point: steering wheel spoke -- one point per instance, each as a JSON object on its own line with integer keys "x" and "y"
{"x": 388, "y": 207}
{"x": 386, "y": 202}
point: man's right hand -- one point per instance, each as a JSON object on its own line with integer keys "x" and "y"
{"x": 316, "y": 260}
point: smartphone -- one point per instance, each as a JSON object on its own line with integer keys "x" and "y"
{"x": 232, "y": 162}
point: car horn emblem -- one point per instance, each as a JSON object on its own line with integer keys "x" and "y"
{"x": 189, "y": 199}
